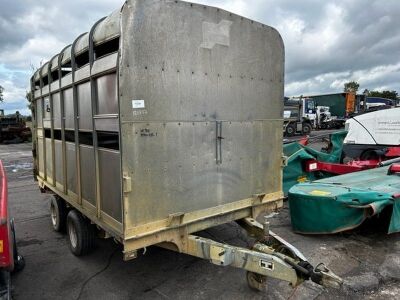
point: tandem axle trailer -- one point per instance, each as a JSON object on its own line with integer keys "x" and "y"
{"x": 163, "y": 120}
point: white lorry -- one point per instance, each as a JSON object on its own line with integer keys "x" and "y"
{"x": 302, "y": 115}
{"x": 370, "y": 134}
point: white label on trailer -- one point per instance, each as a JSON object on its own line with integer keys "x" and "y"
{"x": 266, "y": 265}
{"x": 138, "y": 104}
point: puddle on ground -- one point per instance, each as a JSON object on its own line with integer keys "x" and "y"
{"x": 16, "y": 167}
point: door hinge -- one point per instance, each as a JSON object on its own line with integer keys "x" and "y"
{"x": 284, "y": 161}
{"x": 127, "y": 183}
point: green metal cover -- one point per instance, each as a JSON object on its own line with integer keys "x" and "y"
{"x": 343, "y": 202}
{"x": 293, "y": 173}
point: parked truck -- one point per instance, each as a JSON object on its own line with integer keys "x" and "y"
{"x": 299, "y": 116}
{"x": 154, "y": 125}
{"x": 13, "y": 128}
{"x": 304, "y": 113}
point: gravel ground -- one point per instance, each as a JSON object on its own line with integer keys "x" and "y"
{"x": 367, "y": 258}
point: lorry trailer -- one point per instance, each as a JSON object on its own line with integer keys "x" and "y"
{"x": 304, "y": 113}
{"x": 163, "y": 120}
{"x": 341, "y": 105}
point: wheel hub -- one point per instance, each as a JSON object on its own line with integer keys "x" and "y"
{"x": 53, "y": 214}
{"x": 72, "y": 235}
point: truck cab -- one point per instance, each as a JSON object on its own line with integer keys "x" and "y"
{"x": 299, "y": 116}
{"x": 309, "y": 110}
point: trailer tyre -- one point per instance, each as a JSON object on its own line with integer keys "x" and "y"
{"x": 81, "y": 234}
{"x": 58, "y": 213}
{"x": 290, "y": 130}
{"x": 306, "y": 129}
{"x": 256, "y": 281}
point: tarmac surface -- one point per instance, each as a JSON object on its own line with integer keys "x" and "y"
{"x": 367, "y": 258}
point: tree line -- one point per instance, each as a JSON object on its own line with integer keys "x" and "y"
{"x": 353, "y": 86}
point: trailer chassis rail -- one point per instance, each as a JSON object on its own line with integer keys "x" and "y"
{"x": 271, "y": 256}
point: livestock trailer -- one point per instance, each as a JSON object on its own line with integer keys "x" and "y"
{"x": 163, "y": 120}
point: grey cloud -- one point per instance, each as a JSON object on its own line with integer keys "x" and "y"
{"x": 10, "y": 35}
{"x": 326, "y": 42}
{"x": 63, "y": 20}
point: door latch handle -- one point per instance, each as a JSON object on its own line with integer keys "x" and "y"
{"x": 218, "y": 143}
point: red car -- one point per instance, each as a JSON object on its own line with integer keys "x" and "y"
{"x": 10, "y": 261}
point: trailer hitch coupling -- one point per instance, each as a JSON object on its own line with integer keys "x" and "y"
{"x": 321, "y": 274}
{"x": 274, "y": 245}
{"x": 324, "y": 276}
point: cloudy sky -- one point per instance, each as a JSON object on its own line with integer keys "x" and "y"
{"x": 327, "y": 42}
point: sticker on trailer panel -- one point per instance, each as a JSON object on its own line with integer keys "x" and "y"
{"x": 214, "y": 34}
{"x": 138, "y": 104}
{"x": 320, "y": 193}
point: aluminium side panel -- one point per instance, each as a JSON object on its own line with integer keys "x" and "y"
{"x": 40, "y": 155}
{"x": 110, "y": 183}
{"x": 68, "y": 109}
{"x": 201, "y": 105}
{"x": 49, "y": 161}
{"x": 56, "y": 110}
{"x": 71, "y": 170}
{"x": 84, "y": 106}
{"x": 88, "y": 176}
{"x": 59, "y": 165}
{"x": 107, "y": 98}
{"x": 39, "y": 112}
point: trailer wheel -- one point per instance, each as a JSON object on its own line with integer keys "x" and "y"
{"x": 256, "y": 281}
{"x": 290, "y": 130}
{"x": 306, "y": 129}
{"x": 81, "y": 234}
{"x": 58, "y": 213}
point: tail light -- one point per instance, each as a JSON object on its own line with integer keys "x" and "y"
{"x": 6, "y": 253}
{"x": 393, "y": 169}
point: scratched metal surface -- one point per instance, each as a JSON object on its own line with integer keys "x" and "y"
{"x": 187, "y": 74}
{"x": 195, "y": 66}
